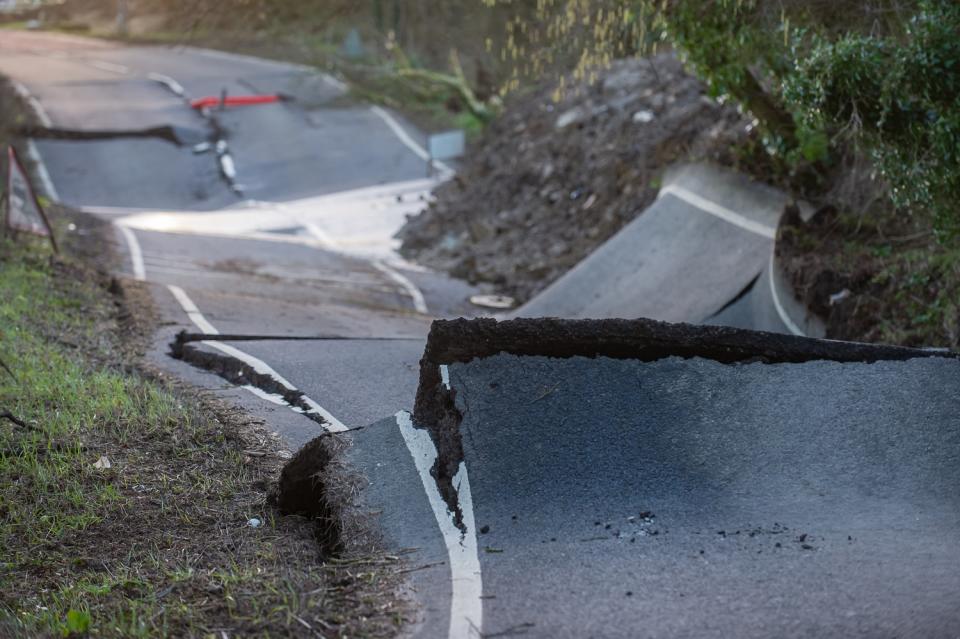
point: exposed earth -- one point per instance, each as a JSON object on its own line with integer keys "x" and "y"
{"x": 551, "y": 180}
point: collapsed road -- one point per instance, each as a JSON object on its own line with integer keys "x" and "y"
{"x": 298, "y": 244}
{"x": 641, "y": 479}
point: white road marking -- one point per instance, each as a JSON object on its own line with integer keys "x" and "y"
{"x": 419, "y": 303}
{"x": 445, "y": 376}
{"x": 136, "y": 255}
{"x": 168, "y": 82}
{"x": 33, "y": 103}
{"x": 228, "y": 167}
{"x": 781, "y": 311}
{"x": 466, "y": 580}
{"x": 719, "y": 211}
{"x": 273, "y": 398}
{"x": 409, "y": 142}
{"x": 46, "y": 182}
{"x": 32, "y": 151}
{"x": 192, "y": 311}
{"x": 119, "y": 69}
{"x": 332, "y": 425}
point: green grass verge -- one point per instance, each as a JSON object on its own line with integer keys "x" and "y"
{"x": 158, "y": 544}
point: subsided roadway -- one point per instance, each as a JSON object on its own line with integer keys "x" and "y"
{"x": 701, "y": 253}
{"x": 639, "y": 479}
{"x": 286, "y": 259}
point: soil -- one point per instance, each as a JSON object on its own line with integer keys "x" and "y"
{"x": 551, "y": 180}
{"x": 874, "y": 276}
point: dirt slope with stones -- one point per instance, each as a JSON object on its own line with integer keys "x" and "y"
{"x": 551, "y": 180}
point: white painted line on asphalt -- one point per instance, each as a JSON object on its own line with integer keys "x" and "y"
{"x": 416, "y": 295}
{"x": 419, "y": 303}
{"x": 409, "y": 142}
{"x": 445, "y": 376}
{"x": 273, "y": 398}
{"x": 719, "y": 211}
{"x": 119, "y": 69}
{"x": 32, "y": 151}
{"x": 192, "y": 311}
{"x": 136, "y": 255}
{"x": 174, "y": 86}
{"x": 332, "y": 425}
{"x": 466, "y": 580}
{"x": 781, "y": 311}
{"x": 46, "y": 182}
{"x": 33, "y": 103}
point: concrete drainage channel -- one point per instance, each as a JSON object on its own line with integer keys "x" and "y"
{"x": 726, "y": 481}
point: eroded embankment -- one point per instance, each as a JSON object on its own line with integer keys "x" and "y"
{"x": 460, "y": 341}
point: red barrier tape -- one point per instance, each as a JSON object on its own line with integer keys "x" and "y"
{"x": 234, "y": 100}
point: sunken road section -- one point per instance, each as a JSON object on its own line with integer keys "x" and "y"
{"x": 462, "y": 341}
{"x": 642, "y": 479}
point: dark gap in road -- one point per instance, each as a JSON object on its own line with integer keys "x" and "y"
{"x": 166, "y": 133}
{"x": 240, "y": 373}
{"x": 307, "y": 486}
{"x": 184, "y": 337}
{"x": 739, "y": 296}
{"x": 461, "y": 341}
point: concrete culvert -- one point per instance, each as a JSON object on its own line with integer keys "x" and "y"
{"x": 737, "y": 483}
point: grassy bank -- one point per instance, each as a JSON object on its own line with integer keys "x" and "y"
{"x": 126, "y": 504}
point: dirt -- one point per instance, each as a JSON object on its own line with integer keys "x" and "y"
{"x": 550, "y": 180}
{"x": 874, "y": 277}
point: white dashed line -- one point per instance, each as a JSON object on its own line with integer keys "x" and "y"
{"x": 466, "y": 580}
{"x": 175, "y": 87}
{"x": 719, "y": 211}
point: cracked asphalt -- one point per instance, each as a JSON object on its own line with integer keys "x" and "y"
{"x": 595, "y": 484}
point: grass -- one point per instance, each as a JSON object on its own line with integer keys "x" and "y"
{"x": 158, "y": 543}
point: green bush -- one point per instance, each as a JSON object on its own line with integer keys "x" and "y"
{"x": 881, "y": 77}
{"x": 899, "y": 97}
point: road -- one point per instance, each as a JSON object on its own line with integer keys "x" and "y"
{"x": 295, "y": 240}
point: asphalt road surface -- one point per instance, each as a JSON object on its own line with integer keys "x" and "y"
{"x": 295, "y": 240}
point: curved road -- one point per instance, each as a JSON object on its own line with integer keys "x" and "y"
{"x": 297, "y": 243}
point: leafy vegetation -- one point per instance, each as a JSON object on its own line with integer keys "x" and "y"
{"x": 878, "y": 77}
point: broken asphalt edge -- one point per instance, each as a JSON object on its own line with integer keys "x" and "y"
{"x": 461, "y": 341}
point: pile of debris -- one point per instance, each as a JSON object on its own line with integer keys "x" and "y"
{"x": 551, "y": 180}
